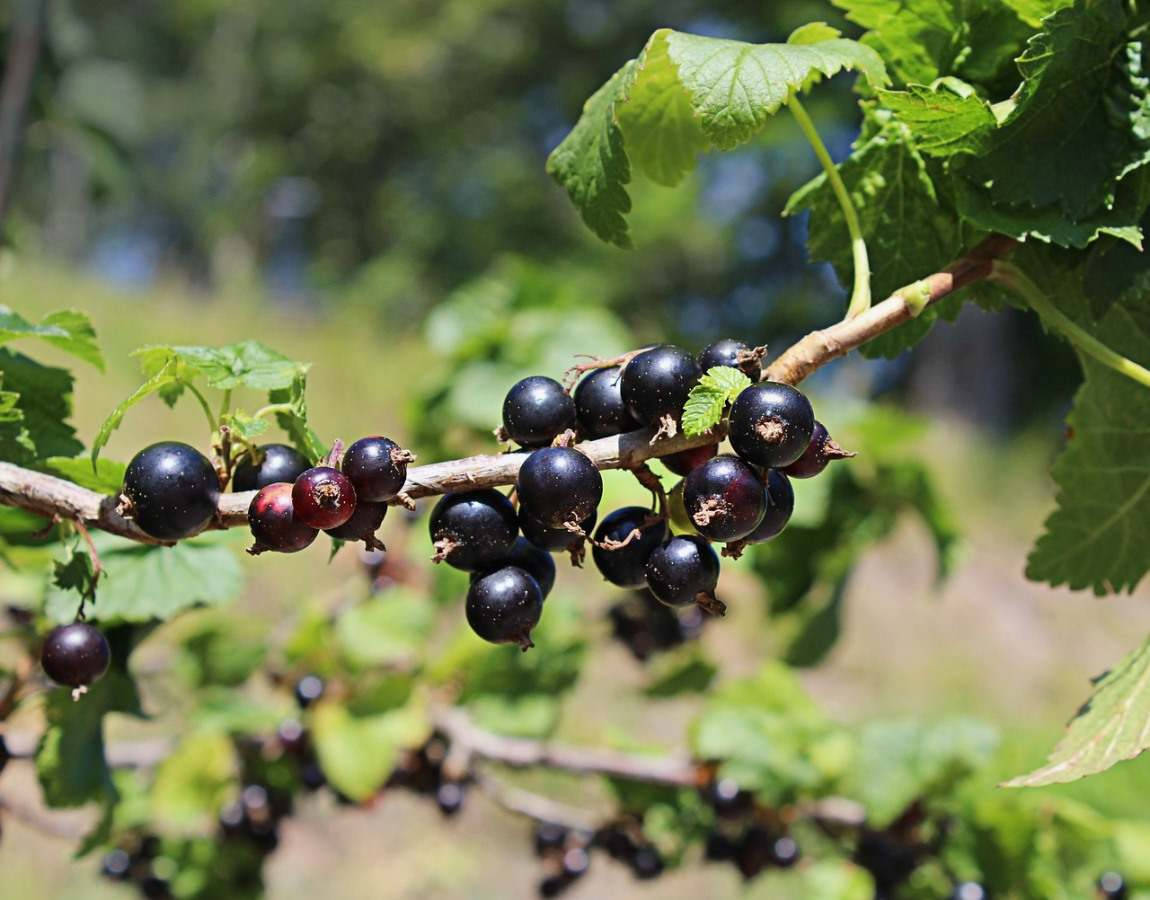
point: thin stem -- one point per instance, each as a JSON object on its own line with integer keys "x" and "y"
{"x": 271, "y": 409}
{"x": 212, "y": 422}
{"x": 225, "y": 404}
{"x": 1011, "y": 276}
{"x": 860, "y": 295}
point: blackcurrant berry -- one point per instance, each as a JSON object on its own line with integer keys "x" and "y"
{"x": 785, "y": 852}
{"x": 599, "y": 406}
{"x": 277, "y": 462}
{"x": 684, "y": 570}
{"x": 771, "y": 424}
{"x": 312, "y": 776}
{"x": 780, "y": 504}
{"x": 724, "y": 498}
{"x": 736, "y": 354}
{"x": 719, "y": 848}
{"x": 171, "y": 489}
{"x": 323, "y": 497}
{"x": 116, "y": 865}
{"x": 656, "y": 383}
{"x": 292, "y": 736}
{"x": 647, "y": 863}
{"x": 449, "y": 797}
{"x": 271, "y": 518}
{"x": 377, "y": 468}
{"x": 537, "y": 410}
{"x": 553, "y": 885}
{"x": 473, "y": 529}
{"x": 621, "y": 558}
{"x": 153, "y": 887}
{"x": 969, "y": 890}
{"x": 535, "y": 561}
{"x": 548, "y": 836}
{"x": 1112, "y": 886}
{"x": 558, "y": 486}
{"x": 728, "y": 800}
{"x": 75, "y": 655}
{"x": 819, "y": 453}
{"x": 554, "y": 540}
{"x": 755, "y": 851}
{"x": 504, "y": 606}
{"x": 576, "y": 862}
{"x": 686, "y": 461}
{"x": 308, "y": 690}
{"x": 362, "y": 525}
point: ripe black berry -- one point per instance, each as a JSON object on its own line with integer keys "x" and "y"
{"x": 559, "y": 486}
{"x": 377, "y": 468}
{"x": 153, "y": 887}
{"x": 362, "y": 525}
{"x": 780, "y": 504}
{"x": 449, "y": 797}
{"x": 686, "y": 461}
{"x": 504, "y": 606}
{"x": 271, "y": 518}
{"x": 307, "y": 690}
{"x": 646, "y": 863}
{"x": 323, "y": 497}
{"x": 537, "y": 410}
{"x": 599, "y": 406}
{"x": 771, "y": 424}
{"x": 171, "y": 490}
{"x": 719, "y": 847}
{"x": 728, "y": 800}
{"x": 75, "y": 655}
{"x": 724, "y": 498}
{"x": 657, "y": 381}
{"x": 554, "y": 540}
{"x": 736, "y": 354}
{"x": 473, "y": 529}
{"x": 755, "y": 851}
{"x": 277, "y": 462}
{"x": 785, "y": 852}
{"x": 116, "y": 865}
{"x": 625, "y": 565}
{"x": 819, "y": 453}
{"x": 684, "y": 570}
{"x": 969, "y": 890}
{"x": 1112, "y": 886}
{"x": 548, "y": 836}
{"x": 535, "y": 561}
{"x": 576, "y": 862}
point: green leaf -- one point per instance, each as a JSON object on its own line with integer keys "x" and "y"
{"x": 1082, "y": 108}
{"x": 1110, "y": 727}
{"x": 194, "y": 783}
{"x": 68, "y": 329}
{"x": 683, "y": 96}
{"x": 944, "y": 119}
{"x": 223, "y": 652}
{"x": 906, "y": 233}
{"x": 165, "y": 377}
{"x": 108, "y": 477}
{"x": 388, "y": 629}
{"x": 245, "y": 364}
{"x": 142, "y": 583}
{"x": 709, "y": 398}
{"x": 294, "y": 420}
{"x": 358, "y": 754}
{"x": 44, "y": 405}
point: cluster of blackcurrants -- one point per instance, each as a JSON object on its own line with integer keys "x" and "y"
{"x": 745, "y": 834}
{"x": 133, "y": 863}
{"x": 566, "y": 852}
{"x": 738, "y": 499}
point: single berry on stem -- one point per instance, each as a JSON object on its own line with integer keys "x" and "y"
{"x": 75, "y": 655}
{"x": 819, "y": 453}
{"x": 656, "y": 383}
{"x": 271, "y": 518}
{"x": 685, "y": 570}
{"x": 537, "y": 410}
{"x": 624, "y": 541}
{"x": 724, "y": 498}
{"x": 376, "y": 467}
{"x": 535, "y": 561}
{"x": 276, "y": 462}
{"x": 473, "y": 529}
{"x": 736, "y": 354}
{"x": 780, "y": 504}
{"x": 771, "y": 424}
{"x": 555, "y": 540}
{"x": 599, "y": 407}
{"x": 504, "y": 606}
{"x": 686, "y": 461}
{"x": 558, "y": 486}
{"x": 171, "y": 490}
{"x": 323, "y": 497}
{"x": 362, "y": 525}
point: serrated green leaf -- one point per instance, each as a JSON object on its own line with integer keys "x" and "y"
{"x": 907, "y": 234}
{"x": 294, "y": 420}
{"x": 165, "y": 376}
{"x": 708, "y": 399}
{"x": 108, "y": 477}
{"x": 1109, "y": 728}
{"x": 68, "y": 329}
{"x": 44, "y": 405}
{"x": 683, "y": 96}
{"x": 244, "y": 364}
{"x": 1083, "y": 104}
{"x": 944, "y": 120}
{"x": 142, "y": 583}
{"x": 358, "y": 753}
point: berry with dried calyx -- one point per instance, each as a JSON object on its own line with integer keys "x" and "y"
{"x": 771, "y": 424}
{"x": 724, "y": 498}
{"x": 555, "y": 540}
{"x": 362, "y": 526}
{"x": 656, "y": 383}
{"x": 376, "y": 467}
{"x": 171, "y": 490}
{"x": 620, "y": 554}
{"x": 473, "y": 529}
{"x": 558, "y": 486}
{"x": 323, "y": 497}
{"x": 685, "y": 570}
{"x": 736, "y": 354}
{"x": 820, "y": 452}
{"x": 536, "y": 411}
{"x": 271, "y": 518}
{"x": 504, "y": 606}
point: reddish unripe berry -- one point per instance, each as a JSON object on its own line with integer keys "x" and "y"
{"x": 271, "y": 518}
{"x": 323, "y": 497}
{"x": 819, "y": 453}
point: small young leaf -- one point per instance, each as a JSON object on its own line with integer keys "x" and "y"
{"x": 709, "y": 398}
{"x": 108, "y": 477}
{"x": 68, "y": 329}
{"x": 294, "y": 420}
{"x": 1109, "y": 728}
